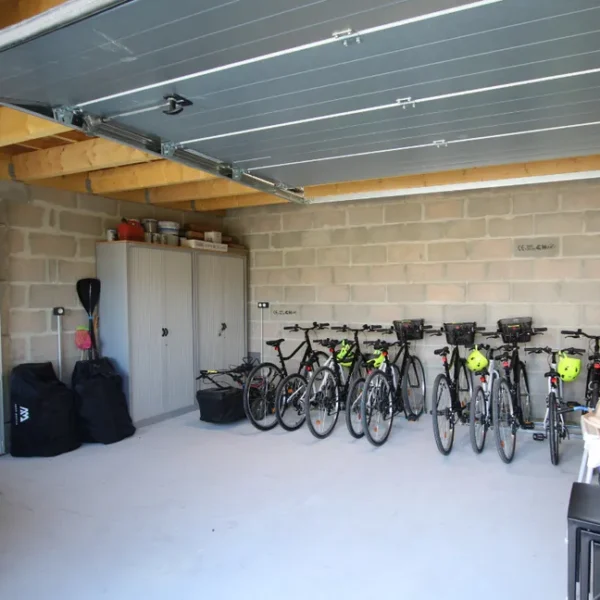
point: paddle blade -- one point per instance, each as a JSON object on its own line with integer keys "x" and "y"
{"x": 88, "y": 291}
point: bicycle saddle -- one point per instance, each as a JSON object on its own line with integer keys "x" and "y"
{"x": 442, "y": 351}
{"x": 275, "y": 343}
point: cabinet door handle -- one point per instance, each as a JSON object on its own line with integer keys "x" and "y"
{"x": 163, "y": 332}
{"x": 166, "y": 332}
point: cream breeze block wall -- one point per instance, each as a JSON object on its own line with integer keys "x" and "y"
{"x": 50, "y": 243}
{"x": 447, "y": 257}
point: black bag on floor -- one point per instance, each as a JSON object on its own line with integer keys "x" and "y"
{"x": 102, "y": 410}
{"x": 44, "y": 421}
{"x": 221, "y": 405}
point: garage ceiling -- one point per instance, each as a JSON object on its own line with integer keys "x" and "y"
{"x": 292, "y": 94}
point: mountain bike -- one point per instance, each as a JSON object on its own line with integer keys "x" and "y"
{"x": 592, "y": 383}
{"x": 389, "y": 389}
{"x": 452, "y": 389}
{"x": 264, "y": 380}
{"x": 329, "y": 386}
{"x": 480, "y": 411}
{"x": 512, "y": 402}
{"x": 555, "y": 427}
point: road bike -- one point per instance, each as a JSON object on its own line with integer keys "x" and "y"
{"x": 264, "y": 380}
{"x": 390, "y": 389}
{"x": 555, "y": 428}
{"x": 592, "y": 383}
{"x": 329, "y": 385}
{"x": 512, "y": 402}
{"x": 452, "y": 389}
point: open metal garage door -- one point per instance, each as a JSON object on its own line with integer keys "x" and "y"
{"x": 282, "y": 94}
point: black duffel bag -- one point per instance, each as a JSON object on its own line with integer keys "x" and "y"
{"x": 44, "y": 421}
{"x": 224, "y": 405}
{"x": 102, "y": 410}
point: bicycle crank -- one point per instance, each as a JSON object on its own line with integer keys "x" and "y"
{"x": 539, "y": 437}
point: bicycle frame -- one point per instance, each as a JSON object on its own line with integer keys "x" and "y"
{"x": 512, "y": 374}
{"x": 452, "y": 371}
{"x": 555, "y": 384}
{"x": 308, "y": 352}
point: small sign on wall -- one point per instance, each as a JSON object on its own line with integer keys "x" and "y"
{"x": 536, "y": 247}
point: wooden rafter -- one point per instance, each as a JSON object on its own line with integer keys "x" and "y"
{"x": 17, "y": 127}
{"x": 15, "y": 11}
{"x": 151, "y": 175}
{"x": 75, "y": 158}
{"x": 229, "y": 202}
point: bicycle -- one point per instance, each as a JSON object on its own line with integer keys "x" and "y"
{"x": 329, "y": 386}
{"x": 555, "y": 427}
{"x": 452, "y": 389}
{"x": 389, "y": 389}
{"x": 238, "y": 374}
{"x": 512, "y": 402}
{"x": 592, "y": 383}
{"x": 264, "y": 380}
{"x": 480, "y": 411}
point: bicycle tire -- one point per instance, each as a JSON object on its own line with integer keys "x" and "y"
{"x": 553, "y": 425}
{"x": 594, "y": 392}
{"x": 353, "y": 408}
{"x": 524, "y": 381}
{"x": 289, "y": 400}
{"x": 414, "y": 402}
{"x": 316, "y": 398}
{"x": 478, "y": 420}
{"x": 377, "y": 398}
{"x": 464, "y": 391}
{"x": 262, "y": 396}
{"x": 504, "y": 421}
{"x": 441, "y": 386}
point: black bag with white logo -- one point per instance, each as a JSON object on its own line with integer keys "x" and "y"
{"x": 221, "y": 405}
{"x": 101, "y": 404}
{"x": 43, "y": 412}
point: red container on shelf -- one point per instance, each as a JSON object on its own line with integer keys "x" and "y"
{"x": 131, "y": 230}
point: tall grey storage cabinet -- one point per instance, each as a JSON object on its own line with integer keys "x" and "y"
{"x": 165, "y": 313}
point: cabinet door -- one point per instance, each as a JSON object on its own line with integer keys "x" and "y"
{"x": 234, "y": 309}
{"x": 146, "y": 322}
{"x": 207, "y": 311}
{"x": 179, "y": 343}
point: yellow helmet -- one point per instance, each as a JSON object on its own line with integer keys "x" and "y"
{"x": 568, "y": 367}
{"x": 477, "y": 360}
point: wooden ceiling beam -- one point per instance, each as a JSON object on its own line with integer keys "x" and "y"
{"x": 226, "y": 202}
{"x": 15, "y": 11}
{"x": 150, "y": 175}
{"x": 76, "y": 158}
{"x": 17, "y": 127}
{"x": 459, "y": 176}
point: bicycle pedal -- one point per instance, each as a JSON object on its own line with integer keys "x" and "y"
{"x": 529, "y": 425}
{"x": 539, "y": 437}
{"x": 412, "y": 418}
{"x": 573, "y": 404}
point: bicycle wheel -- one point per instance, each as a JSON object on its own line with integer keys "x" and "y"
{"x": 289, "y": 404}
{"x": 553, "y": 428}
{"x": 259, "y": 395}
{"x": 353, "y": 413}
{"x": 322, "y": 402}
{"x": 413, "y": 388}
{"x": 523, "y": 397}
{"x": 377, "y": 408}
{"x": 443, "y": 425}
{"x": 505, "y": 425}
{"x": 478, "y": 420}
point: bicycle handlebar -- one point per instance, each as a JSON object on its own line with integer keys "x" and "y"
{"x": 548, "y": 350}
{"x": 314, "y": 326}
{"x": 579, "y": 333}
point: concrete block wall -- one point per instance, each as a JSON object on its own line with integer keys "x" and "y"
{"x": 447, "y": 257}
{"x": 47, "y": 242}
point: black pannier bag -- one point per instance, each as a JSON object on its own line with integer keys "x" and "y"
{"x": 102, "y": 411}
{"x": 221, "y": 405}
{"x": 44, "y": 421}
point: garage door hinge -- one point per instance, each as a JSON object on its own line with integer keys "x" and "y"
{"x": 404, "y": 102}
{"x": 440, "y": 143}
{"x": 237, "y": 173}
{"x": 346, "y": 36}
{"x": 64, "y": 114}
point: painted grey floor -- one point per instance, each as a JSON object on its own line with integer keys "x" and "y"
{"x": 185, "y": 510}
